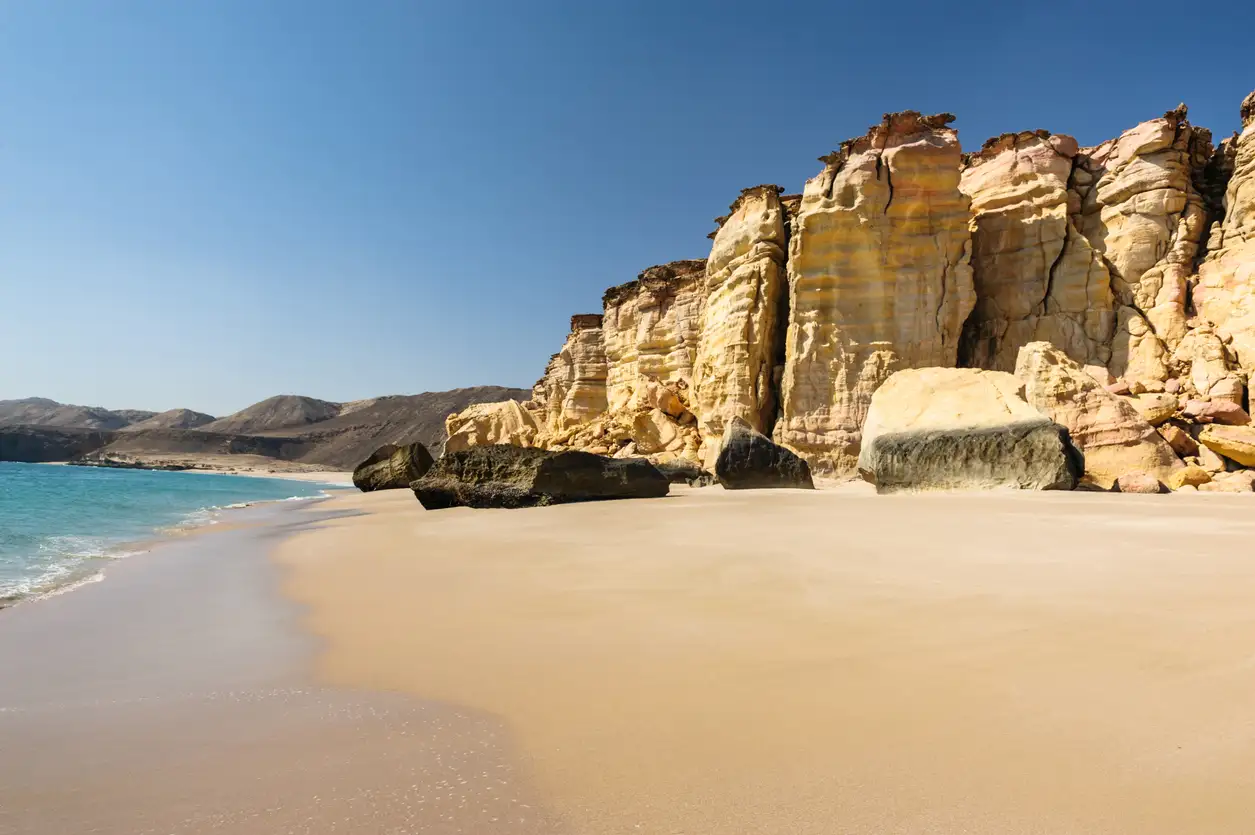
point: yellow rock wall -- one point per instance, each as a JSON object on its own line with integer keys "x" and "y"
{"x": 879, "y": 280}
{"x": 1225, "y": 294}
{"x": 1036, "y": 276}
{"x": 741, "y": 324}
{"x": 573, "y": 388}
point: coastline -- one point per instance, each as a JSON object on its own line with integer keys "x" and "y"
{"x": 806, "y": 662}
{"x": 196, "y": 521}
{"x": 178, "y": 698}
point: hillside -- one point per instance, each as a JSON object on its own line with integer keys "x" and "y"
{"x": 301, "y": 431}
{"x": 40, "y": 411}
{"x": 172, "y": 419}
{"x": 280, "y": 412}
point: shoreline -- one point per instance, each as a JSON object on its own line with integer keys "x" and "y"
{"x": 179, "y": 697}
{"x": 94, "y": 567}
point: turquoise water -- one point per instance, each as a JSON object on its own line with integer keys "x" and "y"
{"x": 59, "y": 525}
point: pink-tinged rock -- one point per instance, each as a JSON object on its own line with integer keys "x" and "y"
{"x": 1138, "y": 483}
{"x": 1118, "y": 387}
{"x": 1216, "y": 411}
{"x": 1172, "y": 386}
{"x": 1242, "y": 481}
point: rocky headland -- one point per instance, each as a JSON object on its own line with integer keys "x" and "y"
{"x": 1111, "y": 287}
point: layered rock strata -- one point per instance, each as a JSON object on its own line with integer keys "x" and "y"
{"x": 879, "y": 280}
{"x": 742, "y": 327}
{"x": 1225, "y": 294}
{"x": 573, "y": 388}
{"x": 1036, "y": 276}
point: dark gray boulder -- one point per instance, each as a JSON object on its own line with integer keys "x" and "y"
{"x": 392, "y": 467}
{"x": 505, "y": 476}
{"x": 749, "y": 460}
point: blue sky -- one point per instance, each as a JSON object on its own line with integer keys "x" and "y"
{"x": 206, "y": 202}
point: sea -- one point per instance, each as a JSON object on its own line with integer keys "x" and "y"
{"x": 61, "y": 525}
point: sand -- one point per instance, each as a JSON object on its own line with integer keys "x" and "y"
{"x": 822, "y": 662}
{"x": 176, "y": 697}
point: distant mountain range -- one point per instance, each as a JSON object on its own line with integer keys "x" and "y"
{"x": 302, "y": 431}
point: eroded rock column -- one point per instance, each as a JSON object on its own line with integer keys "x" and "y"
{"x": 879, "y": 280}
{"x": 741, "y": 322}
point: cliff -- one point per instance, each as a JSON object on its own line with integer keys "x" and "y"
{"x": 1133, "y": 260}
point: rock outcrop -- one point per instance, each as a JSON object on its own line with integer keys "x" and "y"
{"x": 962, "y": 429}
{"x": 1105, "y": 427}
{"x": 485, "y": 424}
{"x": 504, "y": 476}
{"x": 748, "y": 460}
{"x": 572, "y": 390}
{"x": 879, "y": 280}
{"x": 742, "y": 327}
{"x": 1036, "y": 276}
{"x": 392, "y": 467}
{"x": 1225, "y": 293}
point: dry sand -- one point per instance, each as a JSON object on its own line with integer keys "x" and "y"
{"x": 826, "y": 662}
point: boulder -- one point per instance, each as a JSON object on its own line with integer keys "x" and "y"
{"x": 681, "y": 471}
{"x": 1105, "y": 427}
{"x": 749, "y": 460}
{"x": 962, "y": 428}
{"x": 1210, "y": 461}
{"x": 1216, "y": 411}
{"x": 1236, "y": 443}
{"x": 392, "y": 467}
{"x": 1190, "y": 475}
{"x": 1180, "y": 441}
{"x": 1138, "y": 483}
{"x": 505, "y": 476}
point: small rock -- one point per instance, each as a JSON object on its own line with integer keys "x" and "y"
{"x": 1118, "y": 387}
{"x": 1210, "y": 461}
{"x": 1172, "y": 386}
{"x": 1138, "y": 483}
{"x": 1155, "y": 408}
{"x": 683, "y": 471}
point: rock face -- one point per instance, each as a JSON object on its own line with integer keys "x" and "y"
{"x": 1036, "y": 276}
{"x": 505, "y": 422}
{"x": 392, "y": 467}
{"x": 742, "y": 327}
{"x": 879, "y": 280}
{"x": 748, "y": 460}
{"x": 1141, "y": 212}
{"x": 1105, "y": 427}
{"x": 954, "y": 429}
{"x": 1225, "y": 294}
{"x": 39, "y": 444}
{"x": 506, "y": 476}
{"x": 652, "y": 327}
{"x": 573, "y": 388}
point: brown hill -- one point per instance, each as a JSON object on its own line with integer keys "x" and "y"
{"x": 283, "y": 411}
{"x": 40, "y": 411}
{"x": 346, "y": 440}
{"x": 172, "y": 419}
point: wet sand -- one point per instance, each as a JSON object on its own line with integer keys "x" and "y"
{"x": 176, "y": 696}
{"x": 790, "y": 662}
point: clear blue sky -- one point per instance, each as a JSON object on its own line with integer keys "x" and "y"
{"x": 206, "y": 202}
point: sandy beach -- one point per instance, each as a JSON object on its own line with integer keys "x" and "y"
{"x": 712, "y": 662}
{"x": 792, "y": 662}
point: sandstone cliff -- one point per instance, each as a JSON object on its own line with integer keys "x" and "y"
{"x": 879, "y": 279}
{"x": 1225, "y": 295}
{"x": 742, "y": 323}
{"x": 903, "y": 253}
